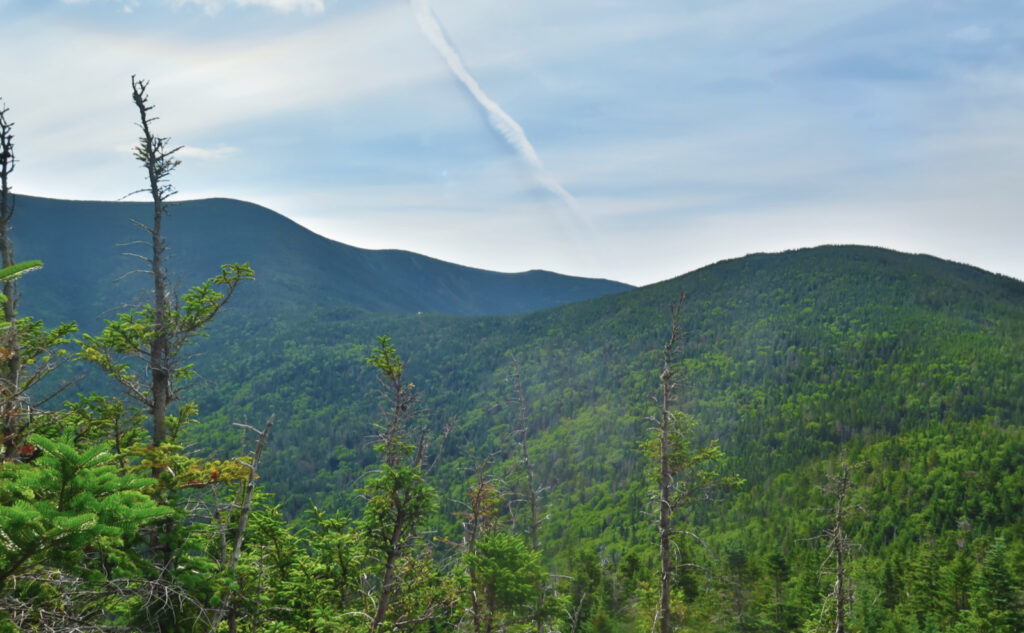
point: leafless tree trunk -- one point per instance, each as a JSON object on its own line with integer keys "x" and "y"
{"x": 839, "y": 546}
{"x": 666, "y": 424}
{"x": 7, "y": 209}
{"x": 531, "y": 490}
{"x": 155, "y": 153}
{"x": 531, "y": 487}
{"x": 10, "y": 348}
{"x": 228, "y": 609}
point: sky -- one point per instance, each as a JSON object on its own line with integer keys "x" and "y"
{"x": 634, "y": 140}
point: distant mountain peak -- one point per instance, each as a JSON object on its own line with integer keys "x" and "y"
{"x": 296, "y": 269}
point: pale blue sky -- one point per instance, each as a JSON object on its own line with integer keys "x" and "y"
{"x": 635, "y": 140}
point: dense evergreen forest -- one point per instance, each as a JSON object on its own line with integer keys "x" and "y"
{"x": 836, "y": 434}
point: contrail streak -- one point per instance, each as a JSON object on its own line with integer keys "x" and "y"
{"x": 502, "y": 122}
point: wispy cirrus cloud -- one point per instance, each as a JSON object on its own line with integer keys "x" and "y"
{"x": 499, "y": 119}
{"x": 285, "y": 6}
{"x": 212, "y": 7}
{"x": 203, "y": 153}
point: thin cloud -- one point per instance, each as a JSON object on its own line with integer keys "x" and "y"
{"x": 212, "y": 7}
{"x": 500, "y": 120}
{"x": 202, "y": 153}
{"x": 284, "y": 6}
{"x": 973, "y": 33}
{"x": 190, "y": 151}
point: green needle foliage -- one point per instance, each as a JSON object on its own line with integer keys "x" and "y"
{"x": 508, "y": 575}
{"x": 123, "y": 349}
{"x": 66, "y": 500}
{"x": 64, "y": 518}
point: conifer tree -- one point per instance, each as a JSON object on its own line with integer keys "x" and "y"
{"x": 67, "y": 515}
{"x": 924, "y": 586}
{"x": 6, "y": 213}
{"x": 507, "y": 574}
{"x": 155, "y": 153}
{"x": 479, "y": 521}
{"x": 997, "y": 598}
{"x": 956, "y": 583}
{"x": 150, "y": 340}
{"x": 399, "y": 499}
{"x": 142, "y": 351}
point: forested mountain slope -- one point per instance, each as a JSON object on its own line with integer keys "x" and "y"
{"x": 86, "y": 268}
{"x": 907, "y": 366}
{"x": 788, "y": 356}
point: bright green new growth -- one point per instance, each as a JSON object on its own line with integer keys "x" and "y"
{"x": 399, "y": 500}
{"x": 508, "y": 573}
{"x": 123, "y": 348}
{"x": 386, "y": 360}
{"x": 11, "y": 273}
{"x": 66, "y": 502}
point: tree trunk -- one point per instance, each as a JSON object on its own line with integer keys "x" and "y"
{"x": 531, "y": 490}
{"x": 665, "y": 421}
{"x": 840, "y": 545}
{"x": 665, "y": 510}
{"x": 665, "y": 487}
{"x": 160, "y": 347}
{"x": 387, "y": 588}
{"x": 153, "y": 154}
{"x": 10, "y": 365}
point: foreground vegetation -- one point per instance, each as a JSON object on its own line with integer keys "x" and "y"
{"x": 836, "y": 446}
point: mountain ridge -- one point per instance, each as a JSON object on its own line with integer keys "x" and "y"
{"x": 295, "y": 267}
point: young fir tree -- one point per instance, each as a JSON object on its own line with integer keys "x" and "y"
{"x": 480, "y": 519}
{"x": 399, "y": 501}
{"x": 65, "y": 519}
{"x": 997, "y": 594}
{"x": 506, "y": 576}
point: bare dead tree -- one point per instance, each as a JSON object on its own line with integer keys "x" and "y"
{"x": 231, "y": 556}
{"x": 666, "y": 425}
{"x": 10, "y": 361}
{"x": 16, "y": 411}
{"x": 527, "y": 468}
{"x": 74, "y": 604}
{"x": 684, "y": 472}
{"x": 156, "y": 153}
{"x": 839, "y": 545}
{"x": 7, "y": 163}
